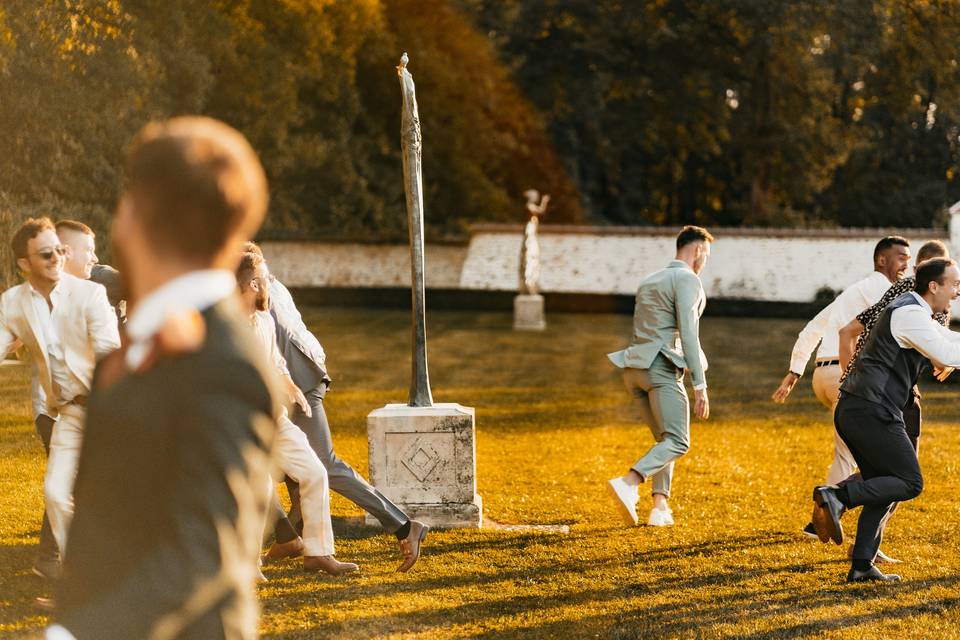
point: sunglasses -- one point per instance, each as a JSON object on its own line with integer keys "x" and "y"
{"x": 47, "y": 254}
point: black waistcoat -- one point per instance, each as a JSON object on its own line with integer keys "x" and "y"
{"x": 886, "y": 373}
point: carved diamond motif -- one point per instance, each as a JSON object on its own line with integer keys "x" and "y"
{"x": 420, "y": 460}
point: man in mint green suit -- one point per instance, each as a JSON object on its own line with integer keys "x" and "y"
{"x": 665, "y": 342}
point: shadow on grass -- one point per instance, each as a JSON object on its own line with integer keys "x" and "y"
{"x": 746, "y": 594}
{"x": 19, "y": 586}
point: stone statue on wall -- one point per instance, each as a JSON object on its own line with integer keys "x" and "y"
{"x": 530, "y": 251}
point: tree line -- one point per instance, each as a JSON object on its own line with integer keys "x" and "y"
{"x": 657, "y": 112}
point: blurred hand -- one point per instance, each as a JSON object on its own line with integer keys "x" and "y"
{"x": 786, "y": 386}
{"x": 297, "y": 397}
{"x": 701, "y": 405}
{"x": 942, "y": 373}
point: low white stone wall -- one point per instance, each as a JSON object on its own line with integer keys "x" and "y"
{"x": 775, "y": 265}
{"x": 766, "y": 265}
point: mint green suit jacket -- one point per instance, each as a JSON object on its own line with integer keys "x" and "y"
{"x": 666, "y": 319}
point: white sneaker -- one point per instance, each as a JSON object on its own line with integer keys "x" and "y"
{"x": 660, "y": 517}
{"x": 626, "y": 498}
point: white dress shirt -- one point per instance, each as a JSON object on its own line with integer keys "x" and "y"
{"x": 913, "y": 327}
{"x": 266, "y": 331}
{"x": 281, "y": 302}
{"x": 196, "y": 290}
{"x": 68, "y": 385}
{"x": 825, "y": 326}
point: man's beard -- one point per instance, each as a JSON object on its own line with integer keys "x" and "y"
{"x": 262, "y": 301}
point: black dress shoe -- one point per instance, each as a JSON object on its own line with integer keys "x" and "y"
{"x": 48, "y": 568}
{"x": 826, "y": 517}
{"x": 809, "y": 531}
{"x": 871, "y": 575}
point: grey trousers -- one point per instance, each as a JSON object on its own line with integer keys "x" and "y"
{"x": 343, "y": 479}
{"x": 665, "y": 407}
{"x": 48, "y": 549}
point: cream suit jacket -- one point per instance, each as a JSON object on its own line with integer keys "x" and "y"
{"x": 82, "y": 318}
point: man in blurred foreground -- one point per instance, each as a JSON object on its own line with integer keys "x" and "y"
{"x": 171, "y": 489}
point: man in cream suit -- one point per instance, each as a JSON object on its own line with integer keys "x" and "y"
{"x": 666, "y": 341}
{"x": 66, "y": 324}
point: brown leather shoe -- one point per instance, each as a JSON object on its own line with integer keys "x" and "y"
{"x": 281, "y": 550}
{"x": 328, "y": 564}
{"x": 410, "y": 546}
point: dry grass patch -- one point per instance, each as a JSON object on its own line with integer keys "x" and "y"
{"x": 553, "y": 423}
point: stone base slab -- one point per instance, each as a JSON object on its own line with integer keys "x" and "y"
{"x": 424, "y": 460}
{"x": 528, "y": 313}
{"x": 441, "y": 516}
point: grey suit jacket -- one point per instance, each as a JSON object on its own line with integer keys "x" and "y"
{"x": 306, "y": 371}
{"x": 666, "y": 319}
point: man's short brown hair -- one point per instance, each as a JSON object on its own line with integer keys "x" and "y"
{"x": 690, "y": 234}
{"x": 932, "y": 249}
{"x": 75, "y": 225}
{"x": 195, "y": 183}
{"x": 30, "y": 229}
{"x": 249, "y": 263}
{"x": 252, "y": 247}
{"x": 931, "y": 271}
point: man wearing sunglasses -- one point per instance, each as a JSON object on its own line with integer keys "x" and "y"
{"x": 67, "y": 325}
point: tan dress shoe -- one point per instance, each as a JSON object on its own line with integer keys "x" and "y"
{"x": 328, "y": 564}
{"x": 410, "y": 546}
{"x": 281, "y": 550}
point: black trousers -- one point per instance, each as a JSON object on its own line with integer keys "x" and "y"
{"x": 889, "y": 468}
{"x": 48, "y": 544}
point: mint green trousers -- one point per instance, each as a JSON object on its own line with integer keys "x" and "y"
{"x": 665, "y": 408}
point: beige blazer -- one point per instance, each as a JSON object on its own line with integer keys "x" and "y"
{"x": 82, "y": 317}
{"x": 666, "y": 320}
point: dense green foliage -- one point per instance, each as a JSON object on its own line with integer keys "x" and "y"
{"x": 744, "y": 111}
{"x": 310, "y": 82}
{"x": 655, "y": 112}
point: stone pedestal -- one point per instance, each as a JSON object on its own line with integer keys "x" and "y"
{"x": 425, "y": 460}
{"x": 528, "y": 313}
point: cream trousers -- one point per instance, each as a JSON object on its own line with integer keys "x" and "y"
{"x": 826, "y": 386}
{"x": 61, "y": 473}
{"x": 297, "y": 460}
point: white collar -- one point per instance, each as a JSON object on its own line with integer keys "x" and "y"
{"x": 923, "y": 303}
{"x": 54, "y": 293}
{"x": 196, "y": 290}
{"x": 877, "y": 274}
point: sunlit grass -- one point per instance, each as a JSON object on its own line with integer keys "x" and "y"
{"x": 553, "y": 423}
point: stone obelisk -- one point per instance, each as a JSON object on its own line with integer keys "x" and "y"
{"x": 423, "y": 455}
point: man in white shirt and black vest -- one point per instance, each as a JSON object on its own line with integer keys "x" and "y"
{"x": 869, "y": 414}
{"x": 891, "y": 258}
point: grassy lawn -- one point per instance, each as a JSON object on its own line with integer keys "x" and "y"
{"x": 554, "y": 423}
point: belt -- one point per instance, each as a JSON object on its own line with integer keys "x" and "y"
{"x": 80, "y": 401}
{"x": 828, "y": 363}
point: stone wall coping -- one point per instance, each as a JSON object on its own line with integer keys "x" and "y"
{"x": 718, "y": 232}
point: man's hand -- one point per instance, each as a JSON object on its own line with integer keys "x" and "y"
{"x": 942, "y": 373}
{"x": 786, "y": 386}
{"x": 701, "y": 405}
{"x": 297, "y": 397}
